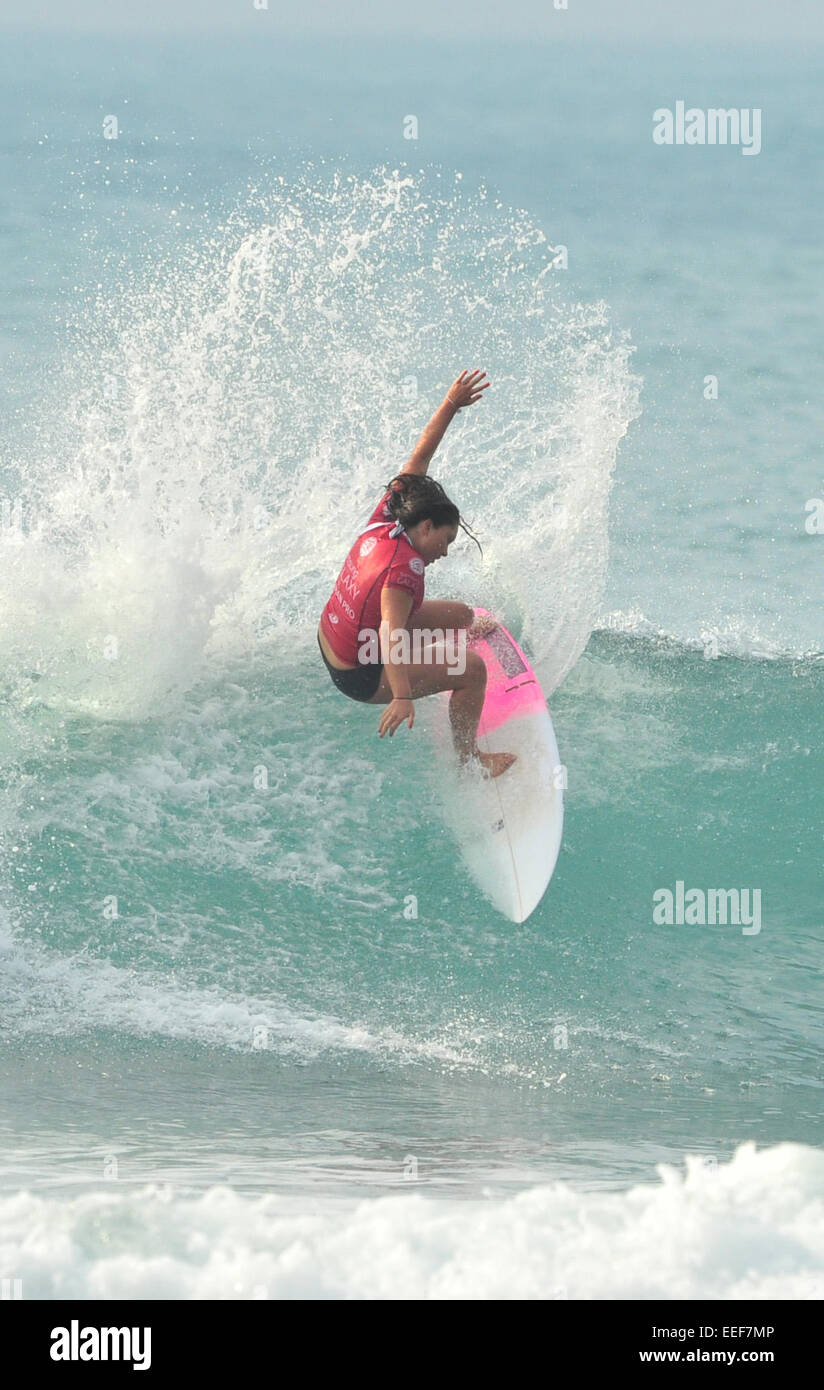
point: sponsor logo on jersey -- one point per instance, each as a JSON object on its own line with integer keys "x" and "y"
{"x": 348, "y": 582}
{"x": 368, "y": 546}
{"x": 347, "y": 607}
{"x": 417, "y": 565}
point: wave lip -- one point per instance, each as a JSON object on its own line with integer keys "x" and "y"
{"x": 752, "y": 1228}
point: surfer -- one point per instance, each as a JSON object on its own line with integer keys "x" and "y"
{"x": 381, "y": 587}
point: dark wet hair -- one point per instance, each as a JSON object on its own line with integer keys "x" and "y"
{"x": 414, "y": 497}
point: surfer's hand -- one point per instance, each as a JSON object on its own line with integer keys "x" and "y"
{"x": 395, "y": 714}
{"x": 468, "y": 389}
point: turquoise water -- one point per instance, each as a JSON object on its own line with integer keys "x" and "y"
{"x": 220, "y": 334}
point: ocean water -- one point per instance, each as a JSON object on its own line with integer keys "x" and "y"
{"x": 262, "y": 1038}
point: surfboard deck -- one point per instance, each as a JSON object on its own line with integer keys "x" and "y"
{"x": 509, "y": 828}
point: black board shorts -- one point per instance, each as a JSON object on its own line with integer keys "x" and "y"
{"x": 360, "y": 683}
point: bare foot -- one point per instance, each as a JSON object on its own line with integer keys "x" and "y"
{"x": 496, "y": 763}
{"x": 481, "y": 627}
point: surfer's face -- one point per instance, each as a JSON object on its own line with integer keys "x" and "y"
{"x": 432, "y": 542}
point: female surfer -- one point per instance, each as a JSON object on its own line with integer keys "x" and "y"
{"x": 381, "y": 587}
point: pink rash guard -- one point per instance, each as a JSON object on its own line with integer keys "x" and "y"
{"x": 382, "y": 556}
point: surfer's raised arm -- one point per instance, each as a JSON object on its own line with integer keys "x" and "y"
{"x": 465, "y": 391}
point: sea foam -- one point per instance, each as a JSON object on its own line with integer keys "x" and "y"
{"x": 752, "y": 1228}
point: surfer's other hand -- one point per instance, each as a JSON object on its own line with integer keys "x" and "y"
{"x": 396, "y": 713}
{"x": 481, "y": 627}
{"x": 468, "y": 389}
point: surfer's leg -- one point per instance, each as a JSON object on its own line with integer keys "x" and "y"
{"x": 441, "y": 613}
{"x": 465, "y": 707}
{"x": 468, "y": 688}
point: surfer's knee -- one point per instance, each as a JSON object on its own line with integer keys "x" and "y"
{"x": 462, "y": 615}
{"x": 475, "y": 669}
{"x": 471, "y": 677}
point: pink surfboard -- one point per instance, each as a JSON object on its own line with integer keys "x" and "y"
{"x": 509, "y": 827}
